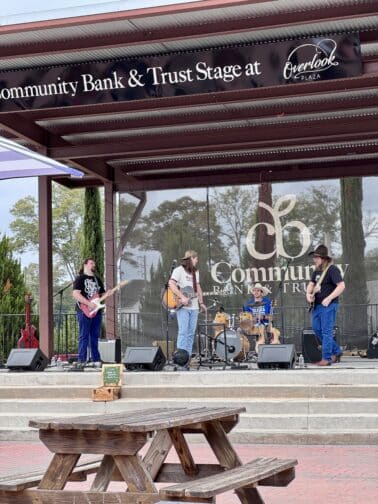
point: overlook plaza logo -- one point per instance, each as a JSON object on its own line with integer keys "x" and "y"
{"x": 307, "y": 61}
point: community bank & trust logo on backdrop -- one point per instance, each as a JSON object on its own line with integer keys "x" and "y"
{"x": 278, "y": 230}
{"x": 307, "y": 61}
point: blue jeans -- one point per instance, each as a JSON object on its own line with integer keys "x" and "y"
{"x": 187, "y": 323}
{"x": 89, "y": 333}
{"x": 323, "y": 322}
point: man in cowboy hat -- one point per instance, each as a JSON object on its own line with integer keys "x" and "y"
{"x": 323, "y": 292}
{"x": 259, "y": 304}
{"x": 184, "y": 283}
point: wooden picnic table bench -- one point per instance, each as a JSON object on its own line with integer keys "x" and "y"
{"x": 18, "y": 481}
{"x": 119, "y": 437}
{"x": 262, "y": 471}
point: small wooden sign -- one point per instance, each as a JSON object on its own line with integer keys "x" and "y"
{"x": 112, "y": 375}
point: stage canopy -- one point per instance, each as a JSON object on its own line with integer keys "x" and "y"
{"x": 17, "y": 161}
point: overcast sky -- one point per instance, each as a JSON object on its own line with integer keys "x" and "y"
{"x": 22, "y": 11}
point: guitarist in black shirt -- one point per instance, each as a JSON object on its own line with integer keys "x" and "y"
{"x": 87, "y": 286}
{"x": 323, "y": 292}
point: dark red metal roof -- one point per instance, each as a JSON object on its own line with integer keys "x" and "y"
{"x": 290, "y": 132}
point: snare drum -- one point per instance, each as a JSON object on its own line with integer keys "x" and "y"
{"x": 237, "y": 345}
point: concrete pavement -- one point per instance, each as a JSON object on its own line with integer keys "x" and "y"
{"x": 325, "y": 474}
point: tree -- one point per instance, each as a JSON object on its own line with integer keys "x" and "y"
{"x": 12, "y": 296}
{"x": 67, "y": 210}
{"x": 93, "y": 237}
{"x": 172, "y": 228}
{"x": 353, "y": 242}
{"x": 235, "y": 210}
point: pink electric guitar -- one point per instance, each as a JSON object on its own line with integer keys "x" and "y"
{"x": 97, "y": 300}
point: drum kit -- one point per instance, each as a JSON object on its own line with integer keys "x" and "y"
{"x": 236, "y": 338}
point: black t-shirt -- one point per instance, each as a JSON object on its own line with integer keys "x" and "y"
{"x": 88, "y": 285}
{"x": 329, "y": 283}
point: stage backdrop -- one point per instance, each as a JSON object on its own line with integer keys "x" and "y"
{"x": 248, "y": 234}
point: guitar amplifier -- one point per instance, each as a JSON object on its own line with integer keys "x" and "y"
{"x": 110, "y": 350}
{"x": 372, "y": 351}
{"x": 311, "y": 346}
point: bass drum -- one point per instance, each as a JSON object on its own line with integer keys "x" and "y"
{"x": 237, "y": 345}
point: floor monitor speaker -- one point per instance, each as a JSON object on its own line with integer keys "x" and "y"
{"x": 311, "y": 346}
{"x": 110, "y": 350}
{"x": 27, "y": 359}
{"x": 144, "y": 358}
{"x": 276, "y": 356}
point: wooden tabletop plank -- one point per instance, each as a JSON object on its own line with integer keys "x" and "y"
{"x": 138, "y": 421}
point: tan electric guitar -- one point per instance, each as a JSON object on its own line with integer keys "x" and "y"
{"x": 98, "y": 301}
{"x": 268, "y": 334}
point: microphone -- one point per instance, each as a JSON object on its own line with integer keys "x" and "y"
{"x": 215, "y": 300}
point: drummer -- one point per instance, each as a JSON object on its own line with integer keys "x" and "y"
{"x": 259, "y": 305}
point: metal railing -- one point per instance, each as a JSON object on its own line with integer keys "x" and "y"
{"x": 355, "y": 325}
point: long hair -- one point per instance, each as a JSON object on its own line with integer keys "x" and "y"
{"x": 188, "y": 265}
{"x": 191, "y": 269}
{"x": 86, "y": 261}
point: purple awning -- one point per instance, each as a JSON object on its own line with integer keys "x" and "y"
{"x": 17, "y": 161}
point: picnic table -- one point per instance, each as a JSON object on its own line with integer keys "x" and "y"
{"x": 119, "y": 437}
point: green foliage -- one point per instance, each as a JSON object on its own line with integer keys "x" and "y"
{"x": 67, "y": 211}
{"x": 12, "y": 297}
{"x": 93, "y": 238}
{"x": 12, "y": 285}
{"x": 235, "y": 212}
{"x": 176, "y": 226}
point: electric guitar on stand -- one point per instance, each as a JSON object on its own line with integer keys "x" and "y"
{"x": 28, "y": 337}
{"x": 98, "y": 301}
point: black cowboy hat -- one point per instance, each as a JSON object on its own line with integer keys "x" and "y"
{"x": 321, "y": 251}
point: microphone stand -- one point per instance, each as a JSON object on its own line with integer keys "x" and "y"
{"x": 279, "y": 290}
{"x": 60, "y": 294}
{"x": 169, "y": 313}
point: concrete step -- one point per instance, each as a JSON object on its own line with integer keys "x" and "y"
{"x": 310, "y": 376}
{"x": 252, "y": 405}
{"x": 188, "y": 391}
{"x": 283, "y": 406}
{"x": 306, "y": 437}
{"x": 263, "y": 422}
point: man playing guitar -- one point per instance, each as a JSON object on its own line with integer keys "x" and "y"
{"x": 88, "y": 286}
{"x": 183, "y": 278}
{"x": 323, "y": 292}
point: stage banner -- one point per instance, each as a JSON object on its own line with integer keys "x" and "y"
{"x": 184, "y": 73}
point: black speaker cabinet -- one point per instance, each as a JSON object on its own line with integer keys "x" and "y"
{"x": 27, "y": 359}
{"x": 110, "y": 350}
{"x": 311, "y": 346}
{"x": 372, "y": 351}
{"x": 276, "y": 356}
{"x": 144, "y": 358}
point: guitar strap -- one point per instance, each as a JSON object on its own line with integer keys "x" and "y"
{"x": 320, "y": 281}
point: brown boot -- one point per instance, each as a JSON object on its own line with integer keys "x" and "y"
{"x": 323, "y": 362}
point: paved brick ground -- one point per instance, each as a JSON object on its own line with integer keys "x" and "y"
{"x": 325, "y": 474}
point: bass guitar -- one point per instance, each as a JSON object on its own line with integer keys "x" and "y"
{"x": 28, "y": 337}
{"x": 98, "y": 301}
{"x": 172, "y": 302}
